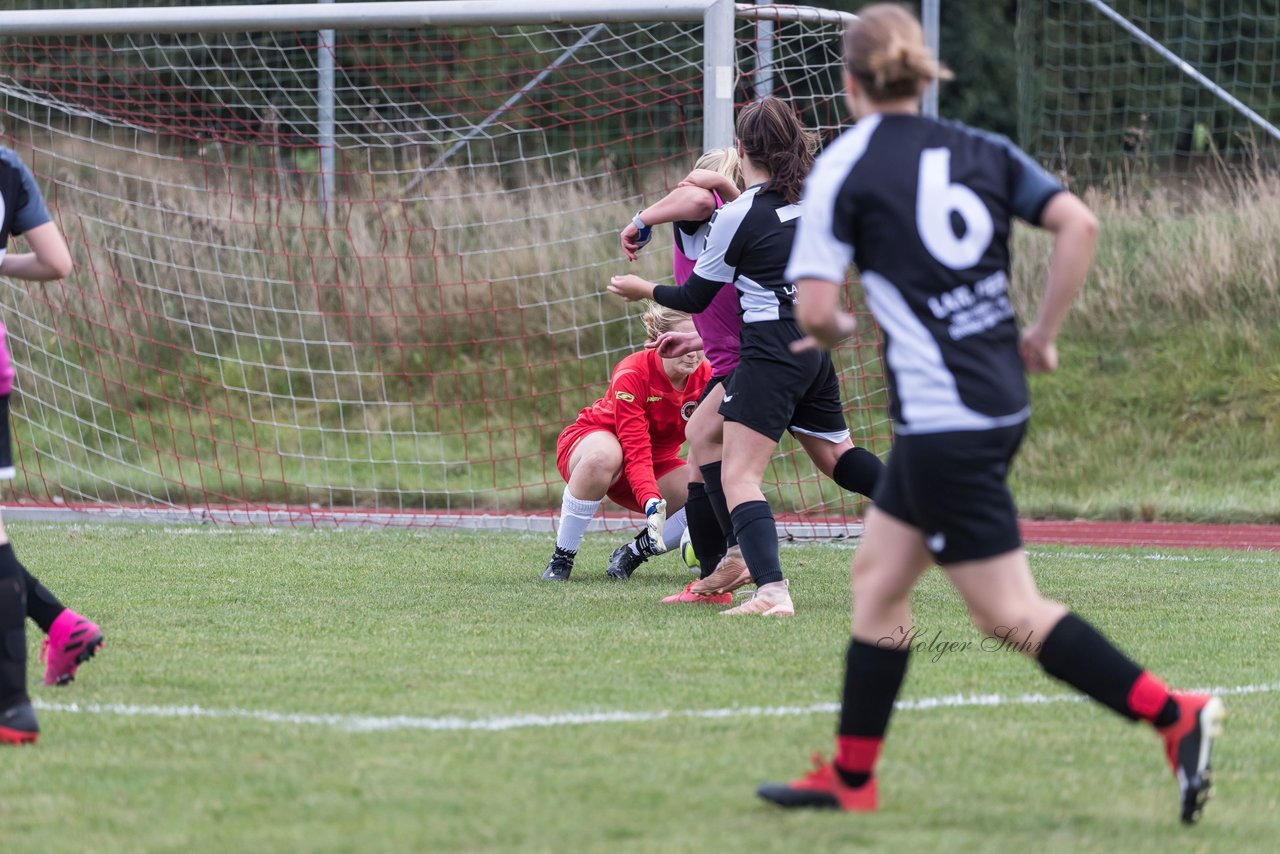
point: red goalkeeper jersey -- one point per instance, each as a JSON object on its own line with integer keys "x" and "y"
{"x": 647, "y": 415}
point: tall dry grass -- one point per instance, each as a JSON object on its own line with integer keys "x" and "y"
{"x": 215, "y": 246}
{"x": 191, "y": 253}
{"x": 1206, "y": 251}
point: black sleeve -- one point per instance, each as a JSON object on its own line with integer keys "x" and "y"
{"x": 1032, "y": 186}
{"x": 691, "y": 297}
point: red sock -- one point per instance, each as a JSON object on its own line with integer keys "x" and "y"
{"x": 1151, "y": 700}
{"x": 856, "y": 757}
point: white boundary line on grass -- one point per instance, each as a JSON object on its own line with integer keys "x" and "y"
{"x": 395, "y": 723}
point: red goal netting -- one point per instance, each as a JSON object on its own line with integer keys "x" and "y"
{"x": 376, "y": 296}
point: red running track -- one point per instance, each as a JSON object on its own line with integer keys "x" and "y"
{"x": 1158, "y": 534}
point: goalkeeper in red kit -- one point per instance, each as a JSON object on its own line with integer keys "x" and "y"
{"x": 626, "y": 446}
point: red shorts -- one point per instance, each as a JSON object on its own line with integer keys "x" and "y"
{"x": 620, "y": 493}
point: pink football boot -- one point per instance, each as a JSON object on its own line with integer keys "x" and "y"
{"x": 71, "y": 642}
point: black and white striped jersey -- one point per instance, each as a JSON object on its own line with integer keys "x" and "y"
{"x": 691, "y": 237}
{"x": 924, "y": 208}
{"x": 748, "y": 244}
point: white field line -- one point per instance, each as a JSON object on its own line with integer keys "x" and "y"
{"x": 395, "y": 723}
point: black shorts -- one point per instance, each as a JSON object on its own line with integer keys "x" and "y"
{"x": 954, "y": 488}
{"x": 712, "y": 383}
{"x": 773, "y": 390}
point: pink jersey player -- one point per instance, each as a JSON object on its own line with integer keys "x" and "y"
{"x": 691, "y": 208}
{"x": 718, "y": 326}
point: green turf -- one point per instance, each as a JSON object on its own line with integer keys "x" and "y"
{"x": 1156, "y": 423}
{"x": 431, "y": 625}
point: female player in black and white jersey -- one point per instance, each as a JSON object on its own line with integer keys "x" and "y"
{"x": 771, "y": 391}
{"x": 924, "y": 209}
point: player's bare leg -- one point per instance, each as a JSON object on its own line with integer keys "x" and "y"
{"x": 595, "y": 463}
{"x": 854, "y": 469}
{"x": 747, "y": 453}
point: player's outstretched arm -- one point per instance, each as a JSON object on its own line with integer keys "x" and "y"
{"x": 685, "y": 203}
{"x": 49, "y": 258}
{"x": 692, "y": 297}
{"x": 691, "y": 204}
{"x": 1075, "y": 231}
{"x": 631, "y": 426}
{"x": 631, "y": 287}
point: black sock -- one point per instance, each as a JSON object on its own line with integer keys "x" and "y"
{"x": 704, "y": 529}
{"x": 715, "y": 494}
{"x": 757, "y": 535}
{"x": 1168, "y": 714}
{"x": 1078, "y": 654}
{"x": 858, "y": 470}
{"x": 13, "y": 638}
{"x": 872, "y": 678}
{"x": 42, "y": 606}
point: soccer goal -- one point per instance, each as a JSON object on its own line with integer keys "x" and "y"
{"x": 345, "y": 264}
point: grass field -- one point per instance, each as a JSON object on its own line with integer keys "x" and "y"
{"x": 391, "y": 691}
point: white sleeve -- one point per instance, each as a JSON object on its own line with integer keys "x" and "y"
{"x": 718, "y": 261}
{"x": 817, "y": 253}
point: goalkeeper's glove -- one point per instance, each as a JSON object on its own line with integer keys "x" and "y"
{"x": 646, "y": 231}
{"x": 655, "y": 517}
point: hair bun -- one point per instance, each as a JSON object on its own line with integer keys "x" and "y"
{"x": 886, "y": 53}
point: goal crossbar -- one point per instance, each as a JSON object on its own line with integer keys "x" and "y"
{"x": 355, "y": 16}
{"x": 310, "y": 16}
{"x": 717, "y": 15}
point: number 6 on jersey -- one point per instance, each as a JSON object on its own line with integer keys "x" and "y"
{"x": 936, "y": 200}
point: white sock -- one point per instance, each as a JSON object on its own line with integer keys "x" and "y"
{"x": 575, "y": 516}
{"x": 674, "y": 529}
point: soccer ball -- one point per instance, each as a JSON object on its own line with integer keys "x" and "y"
{"x": 686, "y": 552}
